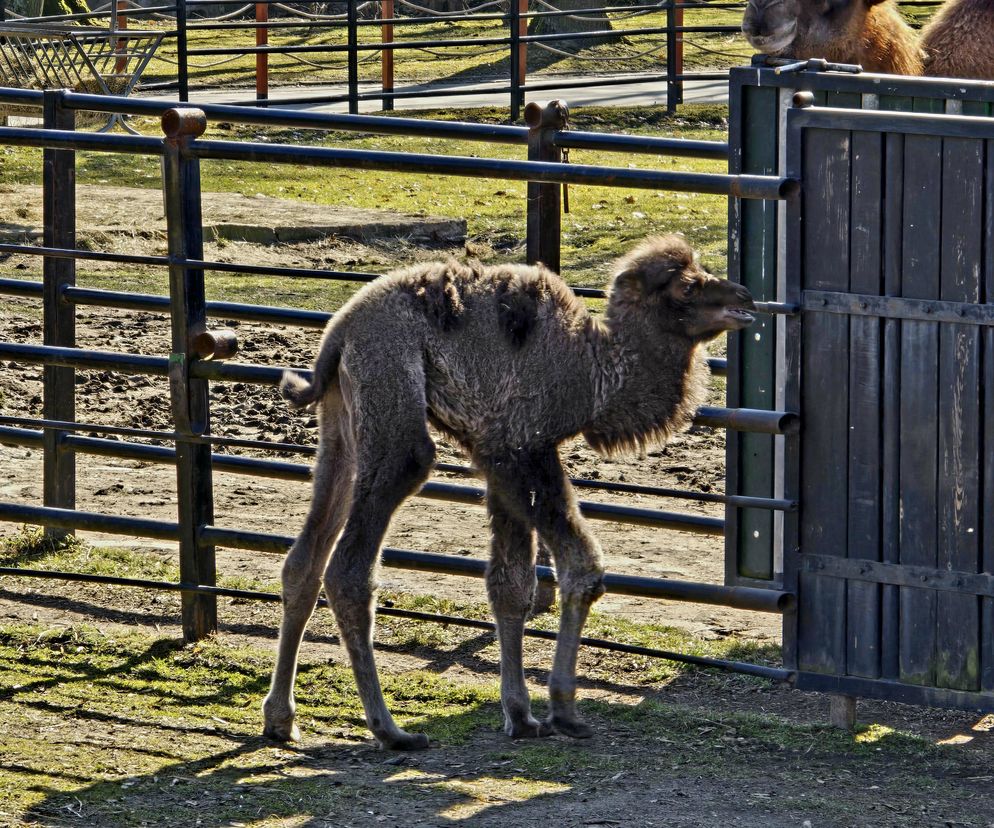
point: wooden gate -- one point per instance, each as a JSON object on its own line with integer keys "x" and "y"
{"x": 889, "y": 253}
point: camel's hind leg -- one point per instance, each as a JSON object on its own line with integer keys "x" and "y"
{"x": 393, "y": 458}
{"x": 533, "y": 484}
{"x": 511, "y": 588}
{"x": 307, "y": 560}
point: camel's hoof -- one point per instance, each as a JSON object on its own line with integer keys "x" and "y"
{"x": 570, "y": 727}
{"x": 404, "y": 741}
{"x": 282, "y": 733}
{"x": 528, "y": 729}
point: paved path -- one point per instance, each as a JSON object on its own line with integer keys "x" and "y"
{"x": 625, "y": 94}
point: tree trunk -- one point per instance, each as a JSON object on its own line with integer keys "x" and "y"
{"x": 575, "y": 23}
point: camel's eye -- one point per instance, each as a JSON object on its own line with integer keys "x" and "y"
{"x": 690, "y": 288}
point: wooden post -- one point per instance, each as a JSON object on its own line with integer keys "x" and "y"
{"x": 544, "y": 200}
{"x": 121, "y": 43}
{"x": 678, "y": 55}
{"x": 842, "y": 712}
{"x": 352, "y": 56}
{"x": 59, "y": 210}
{"x": 262, "y": 58}
{"x": 522, "y": 49}
{"x": 189, "y": 396}
{"x": 386, "y": 56}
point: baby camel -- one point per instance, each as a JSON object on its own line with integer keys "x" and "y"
{"x": 508, "y": 362}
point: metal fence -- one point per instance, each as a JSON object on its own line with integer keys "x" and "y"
{"x": 364, "y": 32}
{"x": 197, "y": 353}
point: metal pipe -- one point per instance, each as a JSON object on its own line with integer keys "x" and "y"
{"x": 20, "y": 287}
{"x": 274, "y": 116}
{"x": 90, "y": 521}
{"x": 717, "y": 150}
{"x": 82, "y": 358}
{"x": 72, "y": 140}
{"x": 237, "y": 464}
{"x": 749, "y": 598}
{"x": 756, "y": 421}
{"x": 743, "y": 186}
{"x": 760, "y": 670}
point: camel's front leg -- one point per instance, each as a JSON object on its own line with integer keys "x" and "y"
{"x": 534, "y": 486}
{"x": 511, "y": 588}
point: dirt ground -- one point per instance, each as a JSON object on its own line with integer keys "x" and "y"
{"x": 646, "y": 790}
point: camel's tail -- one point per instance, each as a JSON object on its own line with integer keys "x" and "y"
{"x": 298, "y": 391}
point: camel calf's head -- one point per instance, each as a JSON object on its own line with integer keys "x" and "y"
{"x": 662, "y": 277}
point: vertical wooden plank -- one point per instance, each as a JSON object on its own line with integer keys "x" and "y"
{"x": 987, "y": 497}
{"x": 958, "y": 616}
{"x": 865, "y": 386}
{"x": 825, "y": 400}
{"x": 919, "y": 403}
{"x": 893, "y": 220}
{"x": 793, "y": 267}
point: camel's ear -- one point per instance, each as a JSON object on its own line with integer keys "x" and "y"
{"x": 648, "y": 277}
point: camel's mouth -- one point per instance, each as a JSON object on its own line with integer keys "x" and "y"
{"x": 772, "y": 43}
{"x": 737, "y": 317}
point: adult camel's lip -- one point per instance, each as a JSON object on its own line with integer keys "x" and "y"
{"x": 768, "y": 44}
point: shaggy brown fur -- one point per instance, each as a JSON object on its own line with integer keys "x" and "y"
{"x": 959, "y": 41}
{"x": 871, "y": 33}
{"x": 509, "y": 362}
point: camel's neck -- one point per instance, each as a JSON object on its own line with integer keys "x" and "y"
{"x": 647, "y": 385}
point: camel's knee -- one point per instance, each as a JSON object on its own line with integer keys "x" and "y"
{"x": 580, "y": 572}
{"x": 511, "y": 589}
{"x": 416, "y": 462}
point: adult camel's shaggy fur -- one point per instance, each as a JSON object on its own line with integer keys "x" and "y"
{"x": 871, "y": 33}
{"x": 510, "y": 363}
{"x": 959, "y": 40}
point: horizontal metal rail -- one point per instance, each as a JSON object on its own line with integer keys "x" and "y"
{"x": 743, "y": 186}
{"x": 573, "y": 139}
{"x": 747, "y": 598}
{"x": 746, "y": 668}
{"x": 413, "y": 127}
{"x": 274, "y": 116}
{"x": 279, "y": 469}
{"x": 739, "y": 419}
{"x": 74, "y": 140}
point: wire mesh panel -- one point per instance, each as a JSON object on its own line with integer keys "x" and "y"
{"x": 82, "y": 59}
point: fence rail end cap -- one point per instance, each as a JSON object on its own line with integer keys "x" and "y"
{"x": 553, "y": 114}
{"x": 185, "y": 121}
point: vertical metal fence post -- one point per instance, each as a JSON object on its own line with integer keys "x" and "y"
{"x": 189, "y": 397}
{"x": 678, "y": 57}
{"x": 386, "y": 56}
{"x": 261, "y": 58}
{"x": 182, "y": 67}
{"x": 544, "y": 200}
{"x": 514, "y": 33}
{"x": 353, "y": 56}
{"x": 672, "y": 94}
{"x": 59, "y": 210}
